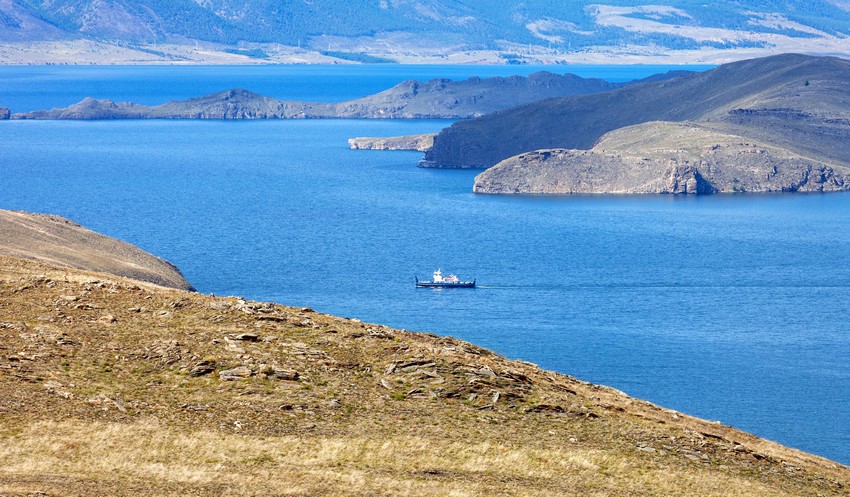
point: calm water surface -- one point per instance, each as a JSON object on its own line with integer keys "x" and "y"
{"x": 732, "y": 308}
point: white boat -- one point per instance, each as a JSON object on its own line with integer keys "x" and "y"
{"x": 440, "y": 281}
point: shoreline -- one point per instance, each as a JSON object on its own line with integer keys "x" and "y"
{"x": 94, "y": 53}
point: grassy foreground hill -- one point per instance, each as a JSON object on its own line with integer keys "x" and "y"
{"x": 110, "y": 386}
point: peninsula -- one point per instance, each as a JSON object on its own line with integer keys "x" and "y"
{"x": 665, "y": 157}
{"x": 793, "y": 110}
{"x": 419, "y": 143}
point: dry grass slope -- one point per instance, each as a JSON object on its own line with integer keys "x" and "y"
{"x": 56, "y": 240}
{"x": 109, "y": 386}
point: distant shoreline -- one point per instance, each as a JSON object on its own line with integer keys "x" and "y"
{"x": 95, "y": 53}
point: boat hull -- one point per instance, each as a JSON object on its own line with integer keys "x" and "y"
{"x": 430, "y": 284}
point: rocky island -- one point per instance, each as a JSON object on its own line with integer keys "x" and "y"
{"x": 116, "y": 386}
{"x": 419, "y": 143}
{"x": 773, "y": 124}
{"x": 434, "y": 99}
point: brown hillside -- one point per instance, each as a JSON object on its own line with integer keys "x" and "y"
{"x": 57, "y": 240}
{"x": 113, "y": 387}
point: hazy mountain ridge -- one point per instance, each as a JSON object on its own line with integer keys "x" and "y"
{"x": 438, "y": 98}
{"x": 399, "y": 29}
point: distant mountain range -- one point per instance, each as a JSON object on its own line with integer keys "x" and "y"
{"x": 434, "y": 99}
{"x": 416, "y": 30}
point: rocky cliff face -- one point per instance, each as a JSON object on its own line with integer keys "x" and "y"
{"x": 664, "y": 157}
{"x": 56, "y": 240}
{"x": 419, "y": 143}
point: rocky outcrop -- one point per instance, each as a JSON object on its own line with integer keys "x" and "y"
{"x": 419, "y": 143}
{"x": 664, "y": 157}
{"x": 795, "y": 101}
{"x": 4, "y": 113}
{"x": 434, "y": 99}
{"x": 56, "y": 240}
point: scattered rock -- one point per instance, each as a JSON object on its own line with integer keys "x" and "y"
{"x": 64, "y": 340}
{"x": 547, "y": 408}
{"x": 202, "y": 368}
{"x": 284, "y": 374}
{"x": 13, "y": 326}
{"x": 166, "y": 351}
{"x": 277, "y": 319}
{"x": 107, "y": 319}
{"x": 485, "y": 371}
{"x": 54, "y": 387}
{"x": 232, "y": 347}
{"x": 379, "y": 333}
{"x": 237, "y": 373}
{"x": 105, "y": 402}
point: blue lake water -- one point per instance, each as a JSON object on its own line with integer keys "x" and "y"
{"x": 731, "y": 308}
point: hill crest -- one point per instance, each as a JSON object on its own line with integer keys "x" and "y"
{"x": 795, "y": 102}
